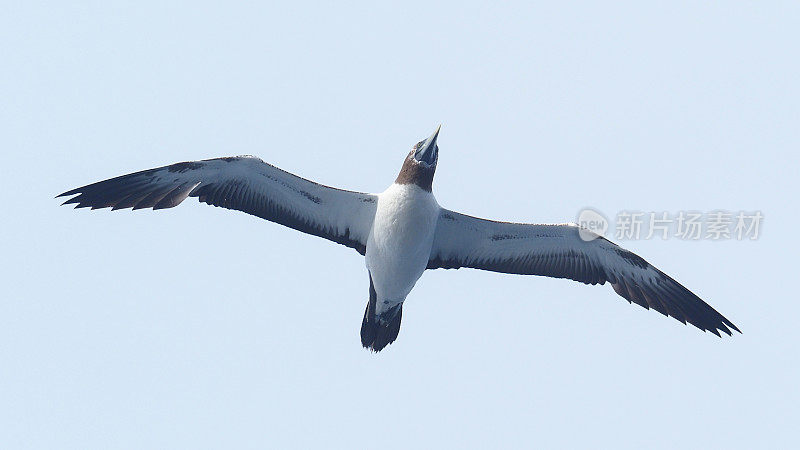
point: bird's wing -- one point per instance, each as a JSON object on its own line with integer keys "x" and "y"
{"x": 243, "y": 183}
{"x": 559, "y": 251}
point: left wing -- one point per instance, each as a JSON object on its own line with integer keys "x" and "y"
{"x": 243, "y": 183}
{"x": 558, "y": 251}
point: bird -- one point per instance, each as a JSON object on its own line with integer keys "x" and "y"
{"x": 402, "y": 232}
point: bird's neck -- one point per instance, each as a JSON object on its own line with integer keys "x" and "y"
{"x": 414, "y": 172}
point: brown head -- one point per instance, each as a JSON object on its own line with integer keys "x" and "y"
{"x": 420, "y": 164}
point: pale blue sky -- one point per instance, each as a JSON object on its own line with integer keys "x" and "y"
{"x": 198, "y": 327}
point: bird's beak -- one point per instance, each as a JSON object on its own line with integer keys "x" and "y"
{"x": 427, "y": 151}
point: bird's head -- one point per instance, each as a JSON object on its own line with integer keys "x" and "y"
{"x": 426, "y": 152}
{"x": 420, "y": 164}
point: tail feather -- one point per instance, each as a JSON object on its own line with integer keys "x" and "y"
{"x": 378, "y": 331}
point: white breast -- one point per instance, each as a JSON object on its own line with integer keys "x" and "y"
{"x": 400, "y": 243}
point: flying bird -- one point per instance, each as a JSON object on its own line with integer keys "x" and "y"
{"x": 403, "y": 231}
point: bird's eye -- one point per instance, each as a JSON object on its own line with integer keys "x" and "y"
{"x": 419, "y": 144}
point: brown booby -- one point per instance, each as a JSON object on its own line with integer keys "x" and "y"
{"x": 402, "y": 232}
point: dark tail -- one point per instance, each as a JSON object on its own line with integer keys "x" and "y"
{"x": 378, "y": 331}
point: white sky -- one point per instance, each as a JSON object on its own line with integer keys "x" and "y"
{"x": 198, "y": 327}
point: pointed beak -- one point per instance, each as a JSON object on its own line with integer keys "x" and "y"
{"x": 427, "y": 151}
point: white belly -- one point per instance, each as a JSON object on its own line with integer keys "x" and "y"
{"x": 400, "y": 243}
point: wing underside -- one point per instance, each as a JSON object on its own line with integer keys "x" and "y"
{"x": 559, "y": 251}
{"x": 242, "y": 183}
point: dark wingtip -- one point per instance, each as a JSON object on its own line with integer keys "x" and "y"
{"x": 71, "y": 192}
{"x": 725, "y": 325}
{"x": 673, "y": 299}
{"x": 70, "y": 201}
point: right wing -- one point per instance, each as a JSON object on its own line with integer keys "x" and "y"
{"x": 243, "y": 183}
{"x": 559, "y": 251}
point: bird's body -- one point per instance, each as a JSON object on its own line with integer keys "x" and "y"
{"x": 402, "y": 232}
{"x": 399, "y": 245}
